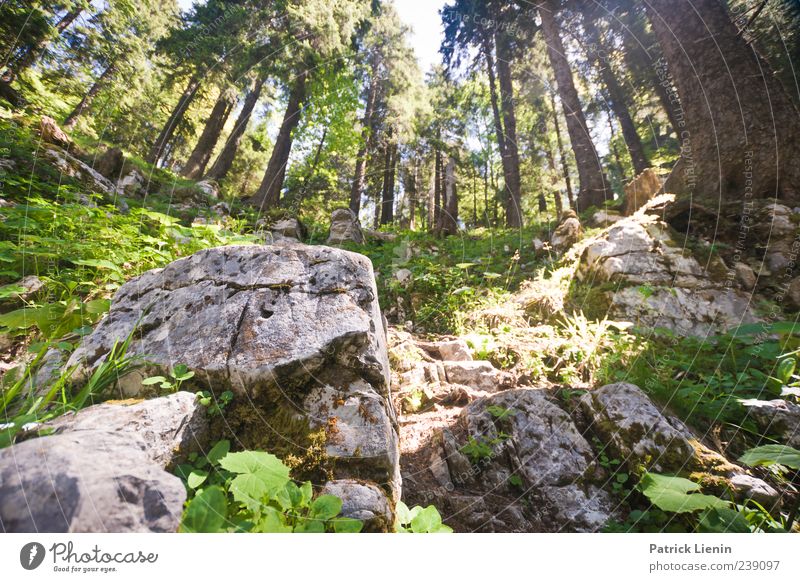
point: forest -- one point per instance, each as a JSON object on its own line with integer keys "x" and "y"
{"x": 274, "y": 273}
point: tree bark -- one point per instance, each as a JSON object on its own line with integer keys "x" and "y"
{"x": 741, "y": 136}
{"x": 551, "y": 164}
{"x": 562, "y": 154}
{"x": 387, "y": 199}
{"x": 159, "y": 146}
{"x": 449, "y": 217}
{"x": 27, "y": 58}
{"x": 269, "y": 192}
{"x": 224, "y": 160}
{"x": 594, "y": 189}
{"x": 511, "y": 152}
{"x": 90, "y": 95}
{"x": 201, "y": 154}
{"x": 366, "y": 142}
{"x": 437, "y": 191}
{"x": 618, "y": 104}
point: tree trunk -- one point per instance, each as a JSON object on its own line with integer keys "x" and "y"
{"x": 613, "y": 147}
{"x": 269, "y": 192}
{"x": 513, "y": 195}
{"x": 437, "y": 191}
{"x": 90, "y": 95}
{"x": 387, "y": 199}
{"x": 159, "y": 146}
{"x": 224, "y": 160}
{"x": 551, "y": 164}
{"x": 562, "y": 154}
{"x": 201, "y": 154}
{"x": 594, "y": 188}
{"x": 28, "y": 57}
{"x": 617, "y": 97}
{"x": 740, "y": 137}
{"x": 449, "y": 217}
{"x": 366, "y": 142}
{"x": 312, "y": 170}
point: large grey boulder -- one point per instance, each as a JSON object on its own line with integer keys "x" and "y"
{"x": 294, "y": 331}
{"x": 536, "y": 454}
{"x": 364, "y": 502}
{"x": 657, "y": 283}
{"x": 345, "y": 227}
{"x": 87, "y": 481}
{"x": 104, "y": 469}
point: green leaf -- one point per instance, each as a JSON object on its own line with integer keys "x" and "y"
{"x": 402, "y": 513}
{"x": 325, "y": 507}
{"x": 206, "y": 513}
{"x": 347, "y": 525}
{"x": 259, "y": 474}
{"x": 153, "y": 380}
{"x": 98, "y": 263}
{"x": 310, "y": 526}
{"x": 428, "y": 520}
{"x": 676, "y": 494}
{"x": 196, "y": 478}
{"x": 723, "y": 520}
{"x": 218, "y": 451}
{"x": 272, "y": 521}
{"x": 786, "y": 369}
{"x": 771, "y": 454}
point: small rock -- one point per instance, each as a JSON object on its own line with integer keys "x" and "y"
{"x": 455, "y": 350}
{"x": 746, "y": 276}
{"x": 345, "y": 227}
{"x": 538, "y": 246}
{"x": 777, "y": 417}
{"x": 132, "y": 184}
{"x": 52, "y": 133}
{"x": 477, "y": 374}
{"x": 403, "y": 276}
{"x": 793, "y": 293}
{"x": 31, "y": 285}
{"x": 210, "y": 188}
{"x": 567, "y": 233}
{"x": 363, "y": 501}
{"x": 747, "y": 487}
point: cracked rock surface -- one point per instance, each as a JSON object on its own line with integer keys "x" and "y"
{"x": 289, "y": 327}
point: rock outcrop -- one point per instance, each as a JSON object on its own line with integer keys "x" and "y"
{"x": 294, "y": 331}
{"x": 103, "y": 470}
{"x": 639, "y": 273}
{"x": 567, "y": 233}
{"x": 641, "y": 190}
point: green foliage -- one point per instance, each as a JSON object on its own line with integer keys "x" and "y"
{"x": 772, "y": 455}
{"x": 25, "y": 403}
{"x": 478, "y": 449}
{"x": 676, "y": 494}
{"x": 419, "y": 520}
{"x": 179, "y": 374}
{"x": 252, "y": 491}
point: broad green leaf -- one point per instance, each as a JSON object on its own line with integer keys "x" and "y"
{"x": 268, "y": 468}
{"x": 218, "y": 451}
{"x": 326, "y": 507}
{"x": 346, "y": 525}
{"x": 310, "y": 526}
{"x": 402, "y": 513}
{"x": 427, "y": 520}
{"x": 676, "y": 494}
{"x": 98, "y": 263}
{"x": 770, "y": 454}
{"x": 196, "y": 478}
{"x": 248, "y": 490}
{"x": 272, "y": 522}
{"x": 206, "y": 513}
{"x": 153, "y": 380}
{"x": 786, "y": 369}
{"x": 723, "y": 520}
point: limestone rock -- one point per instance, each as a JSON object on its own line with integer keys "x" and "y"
{"x": 86, "y": 481}
{"x": 132, "y": 184}
{"x": 364, "y": 502}
{"x": 171, "y": 427}
{"x": 778, "y": 417}
{"x": 290, "y": 228}
{"x": 641, "y": 190}
{"x": 746, "y": 276}
{"x": 210, "y": 188}
{"x": 404, "y": 276}
{"x": 480, "y": 375}
{"x": 74, "y": 168}
{"x": 793, "y": 293}
{"x": 536, "y": 441}
{"x": 605, "y": 218}
{"x": 567, "y": 233}
{"x": 292, "y": 330}
{"x": 635, "y": 429}
{"x": 52, "y": 133}
{"x": 345, "y": 227}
